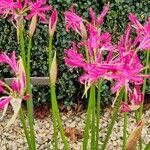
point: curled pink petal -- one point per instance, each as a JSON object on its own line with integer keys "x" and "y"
{"x": 4, "y": 101}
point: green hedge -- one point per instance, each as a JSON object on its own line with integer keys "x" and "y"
{"x": 68, "y": 87}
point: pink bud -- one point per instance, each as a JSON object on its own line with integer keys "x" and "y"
{"x": 52, "y": 22}
{"x": 125, "y": 107}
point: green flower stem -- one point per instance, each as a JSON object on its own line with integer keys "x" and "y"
{"x": 56, "y": 112}
{"x": 147, "y": 146}
{"x": 88, "y": 117}
{"x": 138, "y": 114}
{"x": 22, "y": 46}
{"x": 93, "y": 122}
{"x": 53, "y": 97}
{"x": 22, "y": 118}
{"x": 28, "y": 90}
{"x": 27, "y": 70}
{"x": 144, "y": 85}
{"x": 54, "y": 126}
{"x": 54, "y": 104}
{"x": 98, "y": 114}
{"x": 113, "y": 119}
{"x": 125, "y": 126}
{"x": 87, "y": 55}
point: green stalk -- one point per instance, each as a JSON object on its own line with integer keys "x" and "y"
{"x": 139, "y": 113}
{"x": 147, "y": 146}
{"x": 93, "y": 122}
{"x": 54, "y": 125}
{"x": 22, "y": 46}
{"x": 88, "y": 117}
{"x": 98, "y": 114}
{"x": 27, "y": 70}
{"x": 145, "y": 79}
{"x": 28, "y": 90}
{"x": 113, "y": 119}
{"x": 22, "y": 118}
{"x": 125, "y": 126}
{"x": 87, "y": 55}
{"x": 54, "y": 103}
{"x": 56, "y": 111}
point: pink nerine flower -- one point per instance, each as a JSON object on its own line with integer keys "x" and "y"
{"x": 8, "y": 7}
{"x": 39, "y": 10}
{"x": 2, "y": 87}
{"x": 52, "y": 22}
{"x": 11, "y": 61}
{"x": 135, "y": 21}
{"x": 143, "y": 32}
{"x": 125, "y": 107}
{"x": 128, "y": 65}
{"x": 16, "y": 91}
{"x": 74, "y": 59}
{"x": 136, "y": 97}
{"x": 100, "y": 19}
{"x": 75, "y": 22}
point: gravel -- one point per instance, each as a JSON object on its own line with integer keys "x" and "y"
{"x": 14, "y": 139}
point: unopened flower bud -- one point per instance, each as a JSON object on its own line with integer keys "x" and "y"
{"x": 135, "y": 135}
{"x": 53, "y": 71}
{"x": 33, "y": 25}
{"x": 52, "y": 22}
{"x": 83, "y": 31}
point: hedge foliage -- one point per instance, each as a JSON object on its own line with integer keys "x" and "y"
{"x": 68, "y": 87}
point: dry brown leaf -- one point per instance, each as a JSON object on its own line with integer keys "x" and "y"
{"x": 134, "y": 136}
{"x": 42, "y": 111}
{"x": 73, "y": 133}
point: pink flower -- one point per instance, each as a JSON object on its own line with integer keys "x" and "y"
{"x": 2, "y": 87}
{"x": 74, "y": 59}
{"x": 136, "y": 97}
{"x": 93, "y": 72}
{"x": 145, "y": 42}
{"x": 74, "y": 22}
{"x": 17, "y": 90}
{"x": 10, "y": 61}
{"x": 52, "y": 22}
{"x": 4, "y": 101}
{"x": 9, "y": 7}
{"x": 96, "y": 42}
{"x": 92, "y": 15}
{"x": 143, "y": 32}
{"x": 39, "y": 10}
{"x": 125, "y": 107}
{"x": 135, "y": 21}
{"x": 100, "y": 19}
{"x": 127, "y": 71}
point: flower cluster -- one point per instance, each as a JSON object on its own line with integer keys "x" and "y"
{"x": 16, "y": 93}
{"x": 14, "y": 9}
{"x": 18, "y": 10}
{"x": 119, "y": 63}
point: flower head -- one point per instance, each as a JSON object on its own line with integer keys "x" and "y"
{"x": 100, "y": 19}
{"x": 74, "y": 59}
{"x": 75, "y": 22}
{"x": 11, "y": 61}
{"x": 143, "y": 32}
{"x": 9, "y": 7}
{"x": 38, "y": 9}
{"x": 18, "y": 87}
